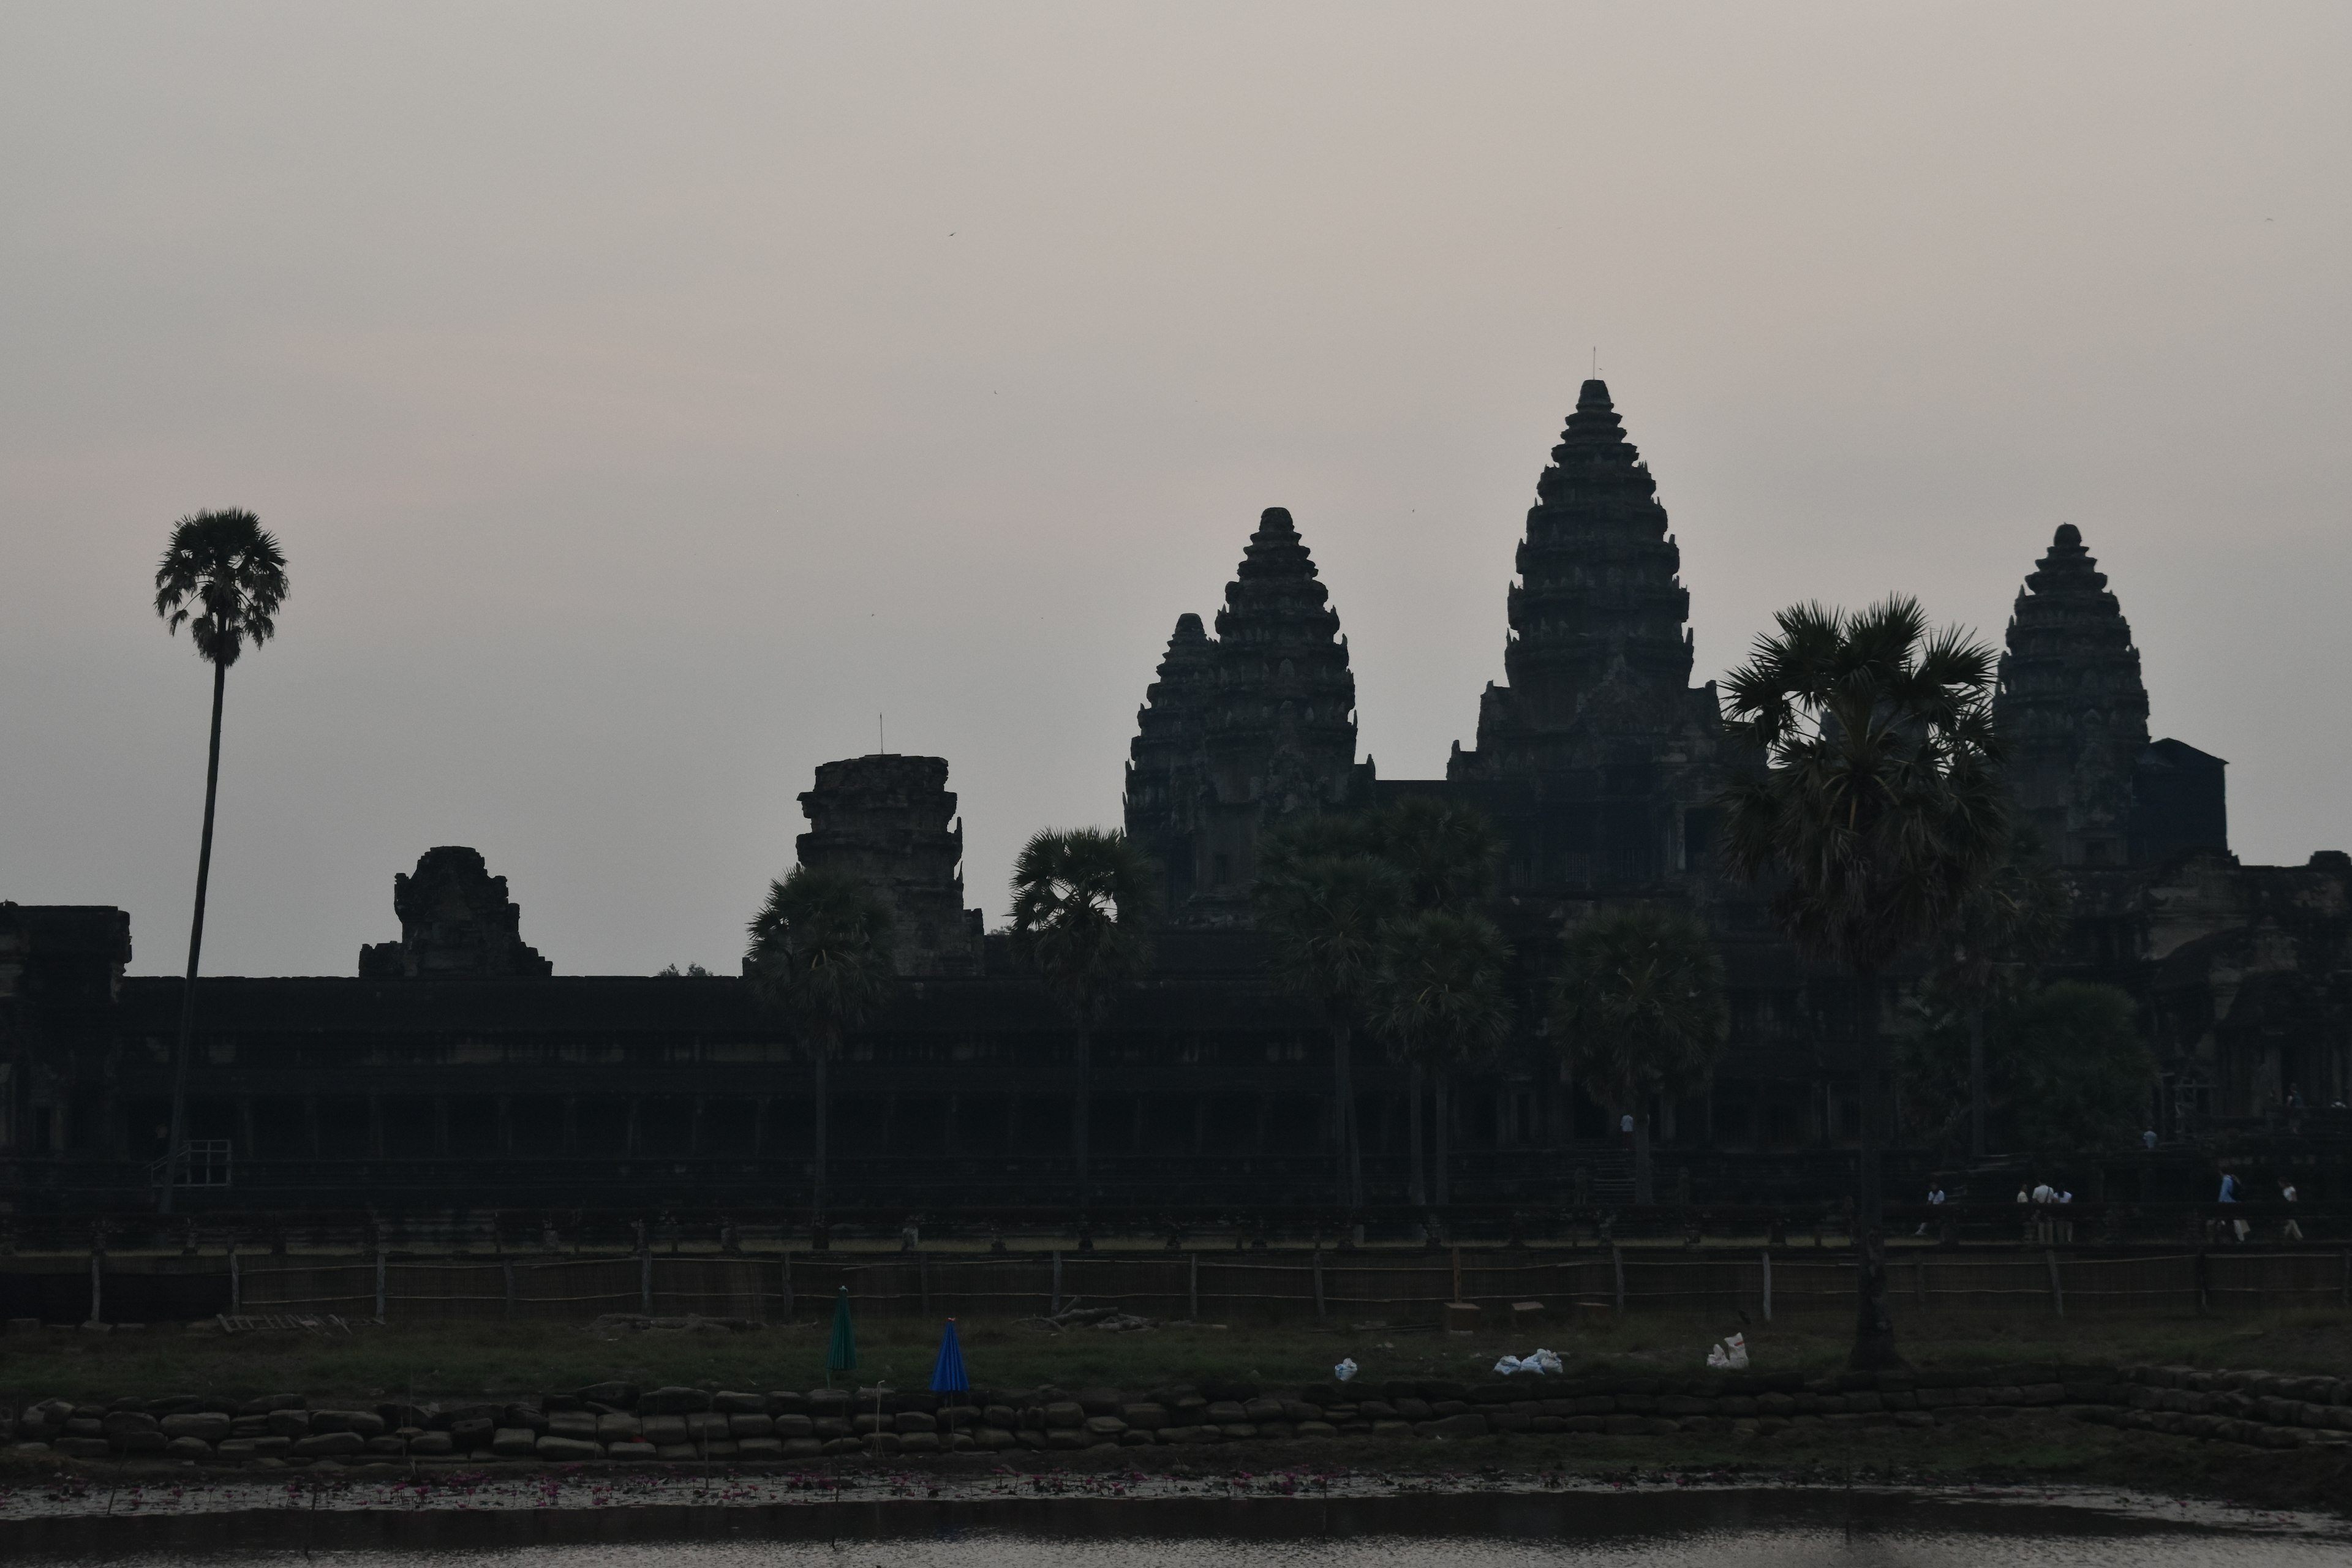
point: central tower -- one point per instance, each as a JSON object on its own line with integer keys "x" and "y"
{"x": 1596, "y": 753}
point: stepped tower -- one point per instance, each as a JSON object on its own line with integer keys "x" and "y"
{"x": 1596, "y": 751}
{"x": 890, "y": 821}
{"x": 1243, "y": 730}
{"x": 2072, "y": 707}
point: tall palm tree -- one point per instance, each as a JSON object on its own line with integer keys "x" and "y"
{"x": 1323, "y": 903}
{"x": 1082, "y": 906}
{"x": 1638, "y": 1007}
{"x": 1876, "y": 807}
{"x": 1443, "y": 1005}
{"x": 222, "y": 577}
{"x": 820, "y": 954}
{"x": 1448, "y": 852}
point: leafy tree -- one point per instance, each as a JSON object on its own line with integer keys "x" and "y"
{"x": 1082, "y": 907}
{"x": 2082, "y": 1072}
{"x": 820, "y": 954}
{"x": 2064, "y": 1068}
{"x": 1440, "y": 1001}
{"x": 1324, "y": 907}
{"x": 224, "y": 577}
{"x": 1638, "y": 1008}
{"x": 2004, "y": 927}
{"x": 1875, "y": 808}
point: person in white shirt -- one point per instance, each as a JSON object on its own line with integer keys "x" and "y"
{"x": 1935, "y": 1196}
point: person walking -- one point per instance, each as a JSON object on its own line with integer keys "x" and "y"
{"x": 2230, "y": 1195}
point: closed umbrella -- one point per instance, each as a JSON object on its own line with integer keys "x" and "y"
{"x": 948, "y": 1375}
{"x": 840, "y": 1351}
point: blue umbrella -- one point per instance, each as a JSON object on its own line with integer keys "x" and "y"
{"x": 946, "y": 1373}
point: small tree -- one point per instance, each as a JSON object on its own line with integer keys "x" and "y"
{"x": 2003, "y": 928}
{"x": 1876, "y": 810}
{"x": 1082, "y": 907}
{"x": 820, "y": 954}
{"x": 1323, "y": 905}
{"x": 224, "y": 577}
{"x": 1442, "y": 1005}
{"x": 2081, "y": 1074}
{"x": 1639, "y": 1010}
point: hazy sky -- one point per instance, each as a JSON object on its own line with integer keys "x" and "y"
{"x": 648, "y": 395}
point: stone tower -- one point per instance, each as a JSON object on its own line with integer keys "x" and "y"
{"x": 1596, "y": 752}
{"x": 2072, "y": 708}
{"x": 1168, "y": 765}
{"x": 1243, "y": 730}
{"x": 889, "y": 821}
{"x": 455, "y": 922}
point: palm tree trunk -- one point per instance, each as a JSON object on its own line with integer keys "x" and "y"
{"x": 1444, "y": 1143}
{"x": 1079, "y": 1122}
{"x": 824, "y": 1110}
{"x": 1645, "y": 1186}
{"x": 178, "y": 1139}
{"x": 1343, "y": 1086}
{"x": 1873, "y": 1334}
{"x": 1975, "y": 1081}
{"x": 1418, "y": 1194}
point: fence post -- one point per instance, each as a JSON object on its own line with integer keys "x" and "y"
{"x": 1767, "y": 1256}
{"x": 1457, "y": 1273}
{"x": 1617, "y": 1263}
{"x": 1193, "y": 1292}
{"x": 97, "y": 1272}
{"x": 645, "y": 1279}
{"x": 2204, "y": 1281}
{"x": 788, "y": 1287}
{"x": 379, "y": 1281}
{"x": 507, "y": 1266}
{"x": 2344, "y": 1291}
{"x": 1056, "y": 1310}
{"x": 1318, "y": 1278}
{"x": 2057, "y": 1295}
{"x": 923, "y": 1280}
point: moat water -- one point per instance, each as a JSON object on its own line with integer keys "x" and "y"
{"x": 1637, "y": 1527}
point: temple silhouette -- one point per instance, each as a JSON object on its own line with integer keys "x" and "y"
{"x": 456, "y": 1069}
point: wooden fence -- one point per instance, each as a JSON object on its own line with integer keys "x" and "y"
{"x": 1277, "y": 1285}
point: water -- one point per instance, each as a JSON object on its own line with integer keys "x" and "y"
{"x": 1664, "y": 1527}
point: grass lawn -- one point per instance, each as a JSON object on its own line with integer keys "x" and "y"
{"x": 469, "y": 1361}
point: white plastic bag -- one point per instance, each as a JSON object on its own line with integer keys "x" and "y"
{"x": 1545, "y": 1362}
{"x": 1344, "y": 1371}
{"x": 1730, "y": 1355}
{"x": 1509, "y": 1364}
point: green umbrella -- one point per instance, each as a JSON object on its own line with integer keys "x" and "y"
{"x": 840, "y": 1351}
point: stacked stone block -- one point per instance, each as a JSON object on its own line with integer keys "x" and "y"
{"x": 615, "y": 1421}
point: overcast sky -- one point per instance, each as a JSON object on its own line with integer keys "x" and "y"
{"x": 649, "y": 396}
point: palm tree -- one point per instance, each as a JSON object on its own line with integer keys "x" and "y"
{"x": 1639, "y": 1009}
{"x": 1082, "y": 907}
{"x": 1875, "y": 805}
{"x": 1322, "y": 905}
{"x": 222, "y": 577}
{"x": 1447, "y": 851}
{"x": 820, "y": 954}
{"x": 1442, "y": 1005}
